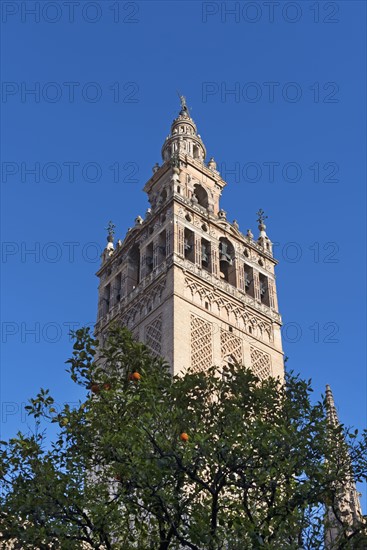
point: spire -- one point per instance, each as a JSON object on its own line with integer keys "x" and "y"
{"x": 347, "y": 504}
{"x": 183, "y": 137}
{"x": 330, "y": 407}
{"x": 260, "y": 221}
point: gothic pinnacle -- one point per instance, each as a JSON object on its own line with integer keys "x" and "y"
{"x": 261, "y": 218}
{"x": 110, "y": 237}
{"x": 111, "y": 231}
{"x": 262, "y": 227}
{"x": 330, "y": 406}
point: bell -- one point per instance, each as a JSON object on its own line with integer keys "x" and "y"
{"x": 225, "y": 258}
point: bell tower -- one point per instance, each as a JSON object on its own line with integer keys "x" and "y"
{"x": 186, "y": 281}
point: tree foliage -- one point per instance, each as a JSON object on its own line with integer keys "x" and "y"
{"x": 257, "y": 470}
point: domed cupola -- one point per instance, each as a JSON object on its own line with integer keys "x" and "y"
{"x": 183, "y": 137}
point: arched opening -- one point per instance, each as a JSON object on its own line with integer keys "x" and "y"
{"x": 161, "y": 247}
{"x": 201, "y": 195}
{"x": 205, "y": 254}
{"x": 133, "y": 268}
{"x": 189, "y": 245}
{"x": 226, "y": 261}
{"x": 162, "y": 197}
{"x": 249, "y": 280}
{"x": 106, "y": 299}
{"x": 264, "y": 290}
{"x": 149, "y": 259}
{"x": 117, "y": 288}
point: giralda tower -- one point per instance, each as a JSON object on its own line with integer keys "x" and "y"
{"x": 185, "y": 280}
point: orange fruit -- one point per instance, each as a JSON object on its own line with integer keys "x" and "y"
{"x": 95, "y": 388}
{"x": 135, "y": 376}
{"x": 184, "y": 436}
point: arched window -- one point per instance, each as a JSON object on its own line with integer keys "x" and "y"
{"x": 106, "y": 299}
{"x": 133, "y": 268}
{"x": 149, "y": 258}
{"x": 162, "y": 197}
{"x": 161, "y": 247}
{"x": 189, "y": 245}
{"x": 205, "y": 254}
{"x": 201, "y": 195}
{"x": 249, "y": 280}
{"x": 264, "y": 289}
{"x": 117, "y": 288}
{"x": 226, "y": 261}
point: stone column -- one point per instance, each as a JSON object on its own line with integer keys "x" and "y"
{"x": 214, "y": 259}
{"x": 168, "y": 241}
{"x": 180, "y": 239}
{"x": 240, "y": 276}
{"x": 198, "y": 250}
{"x": 256, "y": 285}
{"x": 155, "y": 253}
{"x": 272, "y": 295}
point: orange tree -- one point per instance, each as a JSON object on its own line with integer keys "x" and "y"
{"x": 205, "y": 460}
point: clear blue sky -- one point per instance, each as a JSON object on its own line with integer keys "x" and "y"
{"x": 105, "y": 96}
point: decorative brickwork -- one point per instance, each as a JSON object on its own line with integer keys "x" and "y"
{"x": 229, "y": 310}
{"x": 260, "y": 363}
{"x": 201, "y": 343}
{"x": 230, "y": 346}
{"x": 153, "y": 335}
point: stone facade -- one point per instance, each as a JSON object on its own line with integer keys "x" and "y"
{"x": 185, "y": 280}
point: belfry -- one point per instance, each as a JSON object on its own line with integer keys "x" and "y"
{"x": 185, "y": 280}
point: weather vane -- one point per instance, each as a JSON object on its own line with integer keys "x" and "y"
{"x": 110, "y": 228}
{"x": 184, "y": 106}
{"x": 261, "y": 216}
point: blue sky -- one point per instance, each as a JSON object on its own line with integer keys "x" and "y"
{"x": 278, "y": 95}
